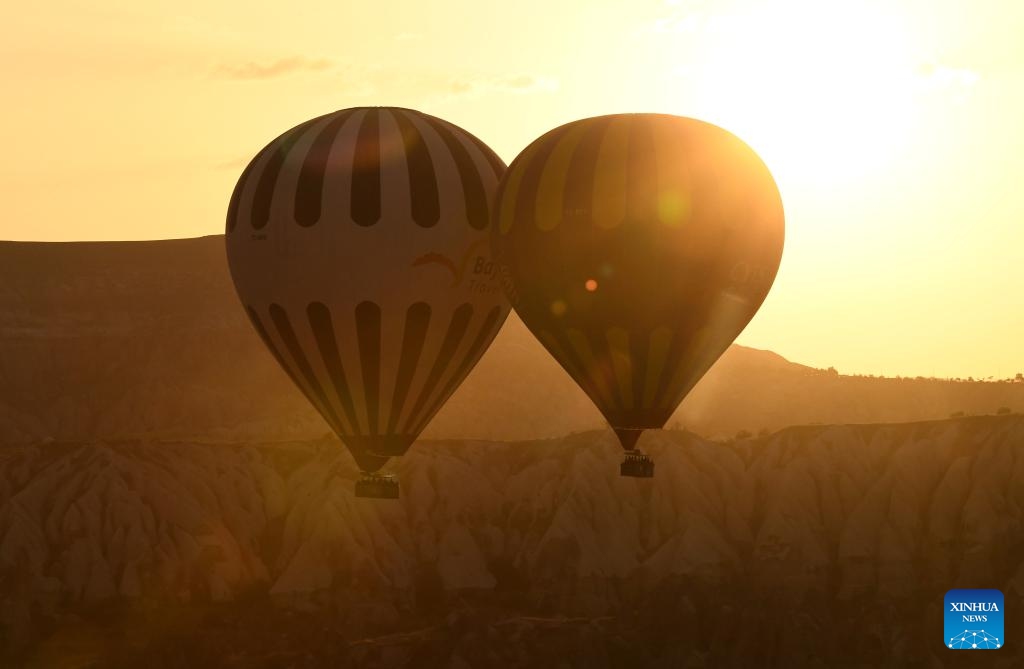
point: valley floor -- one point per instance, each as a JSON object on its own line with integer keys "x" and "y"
{"x": 814, "y": 546}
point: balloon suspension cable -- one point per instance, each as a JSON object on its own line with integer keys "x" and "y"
{"x": 637, "y": 465}
{"x": 377, "y": 486}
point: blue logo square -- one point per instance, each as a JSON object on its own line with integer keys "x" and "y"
{"x": 974, "y": 620}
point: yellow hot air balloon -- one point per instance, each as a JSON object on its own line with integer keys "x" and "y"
{"x": 358, "y": 245}
{"x": 636, "y": 247}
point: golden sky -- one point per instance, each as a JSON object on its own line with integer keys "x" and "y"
{"x": 893, "y": 128}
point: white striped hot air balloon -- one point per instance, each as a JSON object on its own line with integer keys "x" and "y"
{"x": 358, "y": 244}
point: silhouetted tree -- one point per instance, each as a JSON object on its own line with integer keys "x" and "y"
{"x": 743, "y": 434}
{"x": 1002, "y": 411}
{"x": 957, "y": 414}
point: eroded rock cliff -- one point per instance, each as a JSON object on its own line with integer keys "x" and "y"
{"x": 812, "y": 544}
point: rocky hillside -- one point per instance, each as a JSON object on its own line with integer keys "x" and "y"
{"x": 120, "y": 340}
{"x": 814, "y": 546}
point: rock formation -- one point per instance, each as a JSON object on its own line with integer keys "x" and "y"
{"x": 812, "y": 545}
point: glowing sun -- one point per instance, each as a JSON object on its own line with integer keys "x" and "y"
{"x": 818, "y": 90}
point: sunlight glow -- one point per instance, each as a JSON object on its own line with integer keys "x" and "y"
{"x": 819, "y": 91}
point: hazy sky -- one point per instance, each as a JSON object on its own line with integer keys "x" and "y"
{"x": 894, "y": 129}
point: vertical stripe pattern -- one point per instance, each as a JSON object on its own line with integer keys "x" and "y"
{"x": 421, "y": 386}
{"x": 621, "y": 238}
{"x": 315, "y": 169}
{"x": 267, "y": 182}
{"x": 417, "y": 320}
{"x": 323, "y": 330}
{"x": 308, "y": 147}
{"x": 358, "y": 242}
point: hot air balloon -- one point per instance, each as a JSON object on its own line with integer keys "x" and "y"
{"x": 358, "y": 245}
{"x": 636, "y": 247}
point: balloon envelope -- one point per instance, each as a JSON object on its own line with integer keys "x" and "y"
{"x": 357, "y": 242}
{"x": 636, "y": 247}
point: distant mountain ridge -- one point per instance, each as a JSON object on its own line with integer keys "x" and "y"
{"x": 126, "y": 339}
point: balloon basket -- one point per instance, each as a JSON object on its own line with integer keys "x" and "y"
{"x": 637, "y": 465}
{"x": 377, "y": 486}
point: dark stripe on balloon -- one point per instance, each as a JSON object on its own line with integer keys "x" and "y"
{"x": 703, "y": 359}
{"x": 269, "y": 343}
{"x": 472, "y": 185}
{"x": 675, "y": 352}
{"x": 243, "y": 181}
{"x": 496, "y": 163}
{"x": 698, "y": 305}
{"x": 605, "y": 372}
{"x": 417, "y": 320}
{"x": 696, "y": 359}
{"x": 526, "y": 202}
{"x": 452, "y": 339}
{"x": 578, "y": 199}
{"x": 287, "y": 334}
{"x": 264, "y": 195}
{"x": 426, "y": 208}
{"x": 681, "y": 341}
{"x": 476, "y": 349}
{"x": 641, "y": 174}
{"x": 641, "y": 186}
{"x": 310, "y": 188}
{"x": 323, "y": 331}
{"x": 366, "y": 177}
{"x": 236, "y": 194}
{"x": 368, "y": 335}
{"x": 639, "y": 348}
{"x": 584, "y": 377}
